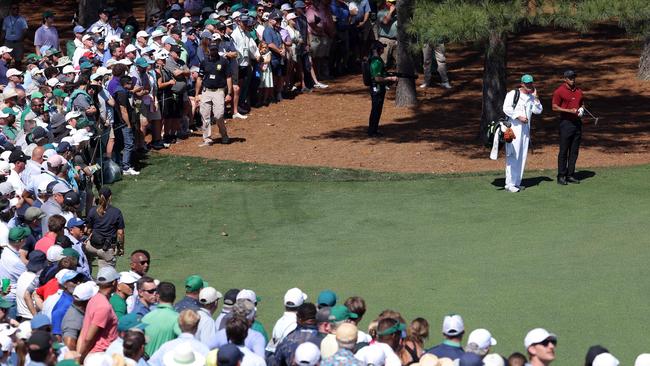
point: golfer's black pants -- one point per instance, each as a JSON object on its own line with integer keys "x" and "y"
{"x": 570, "y": 136}
{"x": 377, "y": 95}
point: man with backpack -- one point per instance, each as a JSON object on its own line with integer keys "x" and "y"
{"x": 519, "y": 106}
{"x": 375, "y": 77}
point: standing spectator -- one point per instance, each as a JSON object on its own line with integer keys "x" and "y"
{"x": 413, "y": 345}
{"x": 229, "y": 300}
{"x": 303, "y": 49}
{"x": 453, "y": 329}
{"x": 14, "y": 26}
{"x": 188, "y": 322}
{"x": 247, "y": 53}
{"x": 275, "y": 44}
{"x": 27, "y": 283}
{"x": 106, "y": 229}
{"x": 540, "y": 345}
{"x": 175, "y": 66}
{"x": 568, "y": 99}
{"x": 306, "y": 331}
{"x": 293, "y": 298}
{"x": 161, "y": 322}
{"x": 193, "y": 286}
{"x": 341, "y": 47}
{"x": 11, "y": 266}
{"x": 213, "y": 88}
{"x": 479, "y": 342}
{"x": 387, "y": 32}
{"x": 124, "y": 289}
{"x": 100, "y": 322}
{"x": 429, "y": 51}
{"x": 319, "y": 40}
{"x": 74, "y": 317}
{"x": 207, "y": 328}
{"x": 237, "y": 331}
{"x": 46, "y": 36}
{"x": 5, "y": 59}
{"x": 346, "y": 339}
{"x": 147, "y": 296}
{"x": 124, "y": 115}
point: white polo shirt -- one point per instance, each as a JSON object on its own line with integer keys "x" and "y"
{"x": 11, "y": 267}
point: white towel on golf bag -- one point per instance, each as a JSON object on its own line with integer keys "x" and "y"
{"x": 494, "y": 154}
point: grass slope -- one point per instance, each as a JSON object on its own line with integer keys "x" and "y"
{"x": 572, "y": 259}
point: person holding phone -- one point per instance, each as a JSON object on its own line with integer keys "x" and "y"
{"x": 519, "y": 107}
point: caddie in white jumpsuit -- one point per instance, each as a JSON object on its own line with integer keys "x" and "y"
{"x": 520, "y": 118}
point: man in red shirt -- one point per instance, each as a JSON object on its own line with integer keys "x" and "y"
{"x": 55, "y": 225}
{"x": 568, "y": 100}
{"x": 99, "y": 328}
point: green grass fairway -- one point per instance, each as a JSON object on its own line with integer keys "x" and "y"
{"x": 572, "y": 259}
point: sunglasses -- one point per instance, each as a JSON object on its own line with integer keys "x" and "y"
{"x": 151, "y": 292}
{"x": 548, "y": 341}
{"x": 144, "y": 262}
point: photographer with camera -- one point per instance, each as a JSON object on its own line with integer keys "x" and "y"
{"x": 105, "y": 225}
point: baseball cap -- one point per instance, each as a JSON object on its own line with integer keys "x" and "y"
{"x": 142, "y": 34}
{"x": 323, "y": 315}
{"x": 286, "y": 7}
{"x": 60, "y": 187}
{"x": 248, "y": 295}
{"x": 231, "y": 297}
{"x": 127, "y": 278}
{"x": 527, "y": 79}
{"x": 194, "y": 283}
{"x": 130, "y": 48}
{"x": 642, "y": 360}
{"x": 13, "y": 72}
{"x": 64, "y": 146}
{"x": 39, "y": 340}
{"x": 470, "y": 359}
{"x": 69, "y": 252}
{"x": 37, "y": 261}
{"x": 141, "y": 62}
{"x": 229, "y": 355}
{"x": 209, "y": 295}
{"x": 129, "y": 321}
{"x": 294, "y": 297}
{"x": 71, "y": 198}
{"x": 307, "y": 354}
{"x": 79, "y": 29}
{"x": 340, "y": 313}
{"x": 72, "y": 114}
{"x": 75, "y": 222}
{"x": 5, "y": 49}
{"x": 129, "y": 29}
{"x": 66, "y": 276}
{"x": 291, "y": 16}
{"x": 299, "y": 4}
{"x": 19, "y": 233}
{"x": 210, "y": 22}
{"x": 9, "y": 93}
{"x": 482, "y": 338}
{"x": 570, "y": 74}
{"x": 326, "y": 298}
{"x": 538, "y": 335}
{"x": 55, "y": 253}
{"x": 185, "y": 20}
{"x": 347, "y": 333}
{"x": 605, "y": 359}
{"x": 453, "y": 325}
{"x": 40, "y": 320}
{"x": 107, "y": 275}
{"x": 56, "y": 161}
{"x": 85, "y": 291}
{"x": 6, "y": 188}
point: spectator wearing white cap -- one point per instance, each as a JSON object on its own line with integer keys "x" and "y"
{"x": 73, "y": 318}
{"x": 306, "y": 331}
{"x": 209, "y": 299}
{"x": 540, "y": 345}
{"x": 642, "y": 360}
{"x": 88, "y": 44}
{"x": 188, "y": 321}
{"x": 293, "y": 298}
{"x": 605, "y": 359}
{"x": 308, "y": 354}
{"x": 5, "y": 58}
{"x": 479, "y": 342}
{"x": 100, "y": 322}
{"x": 124, "y": 289}
{"x": 453, "y": 329}
{"x": 14, "y": 78}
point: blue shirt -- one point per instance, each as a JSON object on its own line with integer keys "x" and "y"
{"x": 285, "y": 351}
{"x": 342, "y": 14}
{"x": 270, "y": 35}
{"x": 447, "y": 349}
{"x": 192, "y": 56}
{"x": 364, "y": 7}
{"x": 342, "y": 357}
{"x": 187, "y": 303}
{"x": 60, "y": 308}
{"x": 140, "y": 309}
{"x": 3, "y": 72}
{"x": 254, "y": 341}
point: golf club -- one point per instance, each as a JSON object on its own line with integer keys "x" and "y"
{"x": 592, "y": 116}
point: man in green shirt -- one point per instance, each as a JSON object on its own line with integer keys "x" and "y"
{"x": 125, "y": 287}
{"x": 162, "y": 322}
{"x": 377, "y": 87}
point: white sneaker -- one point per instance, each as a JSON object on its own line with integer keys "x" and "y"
{"x": 294, "y": 88}
{"x": 130, "y": 171}
{"x": 512, "y": 189}
{"x": 205, "y": 144}
{"x": 320, "y": 86}
{"x": 445, "y": 85}
{"x": 423, "y": 86}
{"x": 240, "y": 116}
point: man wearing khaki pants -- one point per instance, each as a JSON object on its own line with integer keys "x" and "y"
{"x": 216, "y": 81}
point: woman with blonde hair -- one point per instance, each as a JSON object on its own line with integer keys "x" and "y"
{"x": 105, "y": 224}
{"x": 413, "y": 345}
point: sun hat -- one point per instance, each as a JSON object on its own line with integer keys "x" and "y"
{"x": 482, "y": 338}
{"x": 183, "y": 355}
{"x": 209, "y": 295}
{"x": 326, "y": 298}
{"x": 538, "y": 335}
{"x": 527, "y": 79}
{"x": 85, "y": 291}
{"x": 294, "y": 297}
{"x": 307, "y": 354}
{"x": 452, "y": 325}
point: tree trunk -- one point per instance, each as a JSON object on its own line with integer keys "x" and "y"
{"x": 406, "y": 95}
{"x": 494, "y": 79}
{"x": 644, "y": 64}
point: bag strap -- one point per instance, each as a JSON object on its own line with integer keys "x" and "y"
{"x": 516, "y": 98}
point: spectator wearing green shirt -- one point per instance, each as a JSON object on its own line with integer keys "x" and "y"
{"x": 377, "y": 87}
{"x": 387, "y": 32}
{"x": 124, "y": 289}
{"x": 162, "y": 322}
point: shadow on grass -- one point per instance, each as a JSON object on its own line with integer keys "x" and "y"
{"x": 526, "y": 182}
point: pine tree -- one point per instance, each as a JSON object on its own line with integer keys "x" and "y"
{"x": 405, "y": 93}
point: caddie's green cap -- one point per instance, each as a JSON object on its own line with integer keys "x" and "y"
{"x": 4, "y": 304}
{"x": 326, "y": 298}
{"x": 59, "y": 93}
{"x": 48, "y": 14}
{"x": 211, "y": 22}
{"x": 19, "y": 233}
{"x": 399, "y": 327}
{"x": 67, "y": 363}
{"x": 527, "y": 79}
{"x": 36, "y": 95}
{"x": 69, "y": 252}
{"x": 128, "y": 29}
{"x": 9, "y": 111}
{"x": 194, "y": 283}
{"x": 340, "y": 313}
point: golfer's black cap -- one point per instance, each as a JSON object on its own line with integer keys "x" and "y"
{"x": 570, "y": 74}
